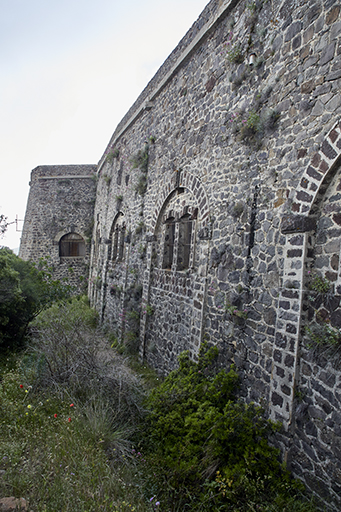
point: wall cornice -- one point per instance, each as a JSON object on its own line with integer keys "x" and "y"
{"x": 146, "y": 99}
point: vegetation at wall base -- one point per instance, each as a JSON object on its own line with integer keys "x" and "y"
{"x": 209, "y": 450}
{"x": 82, "y": 431}
{"x": 67, "y": 417}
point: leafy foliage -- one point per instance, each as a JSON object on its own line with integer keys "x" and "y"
{"x": 114, "y": 153}
{"x": 235, "y": 55}
{"x": 3, "y": 225}
{"x": 206, "y": 450}
{"x": 203, "y": 437}
{"x": 141, "y": 161}
{"x": 24, "y": 292}
{"x": 319, "y": 284}
{"x": 321, "y": 336}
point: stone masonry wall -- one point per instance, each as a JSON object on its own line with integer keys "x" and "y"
{"x": 217, "y": 216}
{"x": 213, "y": 205}
{"x": 61, "y": 201}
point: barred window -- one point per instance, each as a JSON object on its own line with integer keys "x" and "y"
{"x": 184, "y": 242}
{"x": 71, "y": 245}
{"x": 117, "y": 238}
{"x": 168, "y": 244}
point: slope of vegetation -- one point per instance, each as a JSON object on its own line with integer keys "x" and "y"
{"x": 80, "y": 430}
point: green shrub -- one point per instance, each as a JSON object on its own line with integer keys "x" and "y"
{"x": 235, "y": 55}
{"x": 141, "y": 186}
{"x": 209, "y": 450}
{"x": 24, "y": 292}
{"x": 141, "y": 159}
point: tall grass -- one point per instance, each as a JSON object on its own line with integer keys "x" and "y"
{"x": 61, "y": 456}
{"x": 68, "y": 413}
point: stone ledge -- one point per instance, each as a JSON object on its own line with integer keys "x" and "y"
{"x": 297, "y": 224}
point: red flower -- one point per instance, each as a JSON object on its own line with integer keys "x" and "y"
{"x": 69, "y": 419}
{"x": 71, "y": 405}
{"x": 55, "y": 415}
{"x": 21, "y": 386}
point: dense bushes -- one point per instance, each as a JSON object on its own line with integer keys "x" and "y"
{"x": 24, "y": 292}
{"x": 209, "y": 450}
{"x": 79, "y": 431}
{"x": 67, "y": 416}
{"x": 68, "y": 354}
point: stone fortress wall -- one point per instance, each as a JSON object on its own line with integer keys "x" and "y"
{"x": 59, "y": 219}
{"x": 217, "y": 216}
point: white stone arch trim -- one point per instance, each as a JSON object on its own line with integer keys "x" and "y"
{"x": 296, "y": 228}
{"x": 318, "y": 169}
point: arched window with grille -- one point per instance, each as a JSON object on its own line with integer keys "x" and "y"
{"x": 117, "y": 238}
{"x": 71, "y": 245}
{"x": 114, "y": 243}
{"x": 121, "y": 242}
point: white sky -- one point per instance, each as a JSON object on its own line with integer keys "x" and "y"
{"x": 69, "y": 71}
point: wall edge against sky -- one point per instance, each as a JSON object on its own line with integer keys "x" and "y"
{"x": 155, "y": 91}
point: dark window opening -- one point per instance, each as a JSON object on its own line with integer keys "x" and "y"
{"x": 114, "y": 241}
{"x": 169, "y": 244}
{"x": 121, "y": 244}
{"x": 71, "y": 245}
{"x": 119, "y": 174}
{"x": 117, "y": 239}
{"x": 184, "y": 245}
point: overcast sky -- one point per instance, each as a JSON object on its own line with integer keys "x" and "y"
{"x": 69, "y": 71}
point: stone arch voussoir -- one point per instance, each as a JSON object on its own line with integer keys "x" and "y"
{"x": 187, "y": 180}
{"x": 296, "y": 227}
{"x": 317, "y": 171}
{"x": 66, "y": 231}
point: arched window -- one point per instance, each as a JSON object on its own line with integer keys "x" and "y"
{"x": 97, "y": 242}
{"x": 176, "y": 232}
{"x": 114, "y": 243}
{"x": 117, "y": 238}
{"x": 71, "y": 245}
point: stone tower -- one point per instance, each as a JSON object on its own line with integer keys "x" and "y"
{"x": 59, "y": 219}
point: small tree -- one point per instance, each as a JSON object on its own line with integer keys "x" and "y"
{"x": 24, "y": 292}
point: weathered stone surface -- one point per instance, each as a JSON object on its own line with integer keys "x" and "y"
{"x": 293, "y": 30}
{"x": 297, "y": 224}
{"x": 222, "y": 222}
{"x": 333, "y": 15}
{"x": 327, "y": 54}
{"x": 61, "y": 202}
